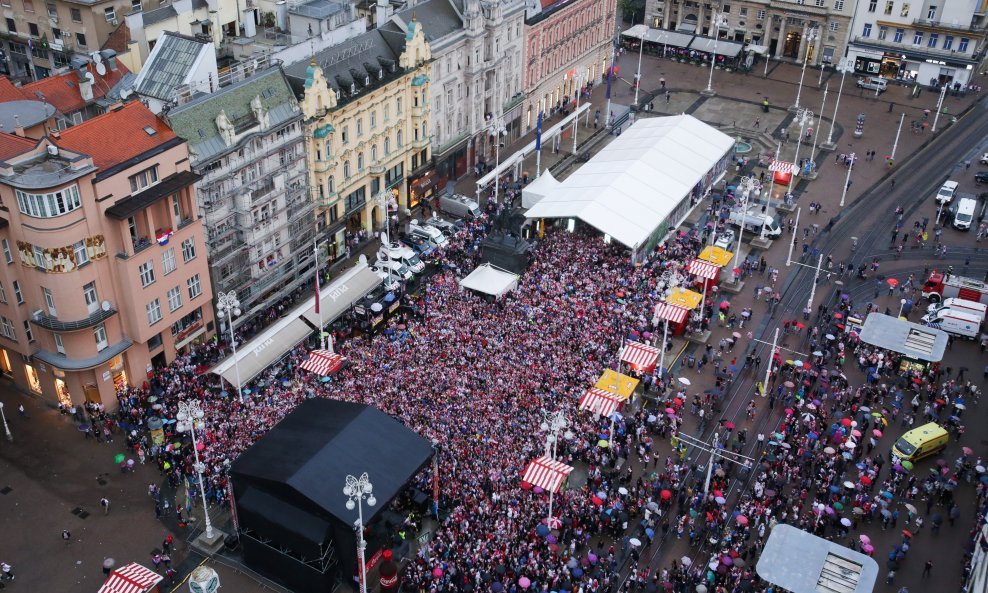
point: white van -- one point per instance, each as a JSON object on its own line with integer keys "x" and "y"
{"x": 428, "y": 232}
{"x": 873, "y": 83}
{"x": 459, "y": 206}
{"x": 394, "y": 267}
{"x": 397, "y": 251}
{"x": 962, "y": 305}
{"x": 964, "y": 215}
{"x": 753, "y": 221}
{"x": 946, "y": 192}
{"x": 960, "y": 324}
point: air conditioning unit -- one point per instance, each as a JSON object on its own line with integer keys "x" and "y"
{"x": 66, "y": 33}
{"x": 112, "y": 21}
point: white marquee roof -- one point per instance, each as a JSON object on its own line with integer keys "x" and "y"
{"x": 490, "y": 279}
{"x": 631, "y": 186}
{"x": 536, "y": 190}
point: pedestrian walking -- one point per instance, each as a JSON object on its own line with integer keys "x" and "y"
{"x": 927, "y": 568}
{"x": 66, "y": 536}
{"x": 105, "y": 503}
{"x": 8, "y": 571}
{"x": 22, "y": 411}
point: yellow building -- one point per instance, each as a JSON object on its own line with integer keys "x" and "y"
{"x": 366, "y": 115}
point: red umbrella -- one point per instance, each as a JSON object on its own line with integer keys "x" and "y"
{"x": 892, "y": 282}
{"x": 838, "y": 316}
{"x": 665, "y": 495}
{"x": 846, "y": 421}
{"x": 788, "y": 411}
{"x": 907, "y": 533}
{"x": 806, "y": 365}
{"x": 742, "y": 520}
{"x": 800, "y": 326}
{"x": 729, "y": 425}
{"x": 877, "y": 433}
{"x": 866, "y": 480}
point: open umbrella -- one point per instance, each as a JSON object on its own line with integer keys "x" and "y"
{"x": 864, "y": 539}
{"x": 119, "y": 458}
{"x": 524, "y": 583}
{"x": 635, "y": 542}
{"x": 684, "y": 381}
{"x": 845, "y": 522}
{"x": 877, "y": 433}
{"x": 910, "y": 508}
{"x": 907, "y": 464}
{"x": 967, "y": 450}
{"x": 892, "y": 282}
{"x": 742, "y": 520}
{"x": 729, "y": 425}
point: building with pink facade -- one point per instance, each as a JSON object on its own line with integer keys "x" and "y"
{"x": 103, "y": 272}
{"x": 568, "y": 43}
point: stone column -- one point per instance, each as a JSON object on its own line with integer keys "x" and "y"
{"x": 780, "y": 46}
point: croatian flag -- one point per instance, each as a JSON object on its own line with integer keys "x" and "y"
{"x": 538, "y": 133}
{"x": 610, "y": 77}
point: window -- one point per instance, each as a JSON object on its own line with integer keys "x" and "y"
{"x": 168, "y": 261}
{"x": 155, "y": 342}
{"x": 7, "y": 328}
{"x": 28, "y": 5}
{"x": 948, "y": 42}
{"x": 39, "y": 257}
{"x": 143, "y": 179}
{"x": 331, "y": 184}
{"x": 398, "y": 105}
{"x": 189, "y": 249}
{"x": 174, "y": 299}
{"x": 80, "y": 39}
{"x": 882, "y": 32}
{"x": 49, "y": 301}
{"x": 398, "y": 137}
{"x": 838, "y": 5}
{"x": 345, "y": 134}
{"x": 91, "y": 298}
{"x": 866, "y": 31}
{"x": 154, "y": 312}
{"x": 360, "y": 127}
{"x": 18, "y": 293}
{"x": 931, "y": 13}
{"x": 59, "y": 346}
{"x": 889, "y": 4}
{"x": 834, "y": 26}
{"x": 727, "y": 9}
{"x": 32, "y": 28}
{"x": 742, "y": 11}
{"x": 27, "y": 331}
{"x": 898, "y": 35}
{"x": 934, "y": 37}
{"x": 99, "y": 333}
{"x": 195, "y": 287}
{"x": 3, "y": 294}
{"x": 52, "y": 10}
{"x": 346, "y": 169}
{"x": 7, "y": 253}
{"x": 146, "y": 272}
{"x": 760, "y": 15}
{"x": 387, "y": 146}
{"x": 76, "y": 15}
{"x": 373, "y": 120}
{"x": 110, "y": 14}
{"x": 918, "y": 38}
{"x": 81, "y": 253}
{"x": 360, "y": 162}
{"x": 905, "y": 10}
{"x": 49, "y": 205}
{"x": 962, "y": 46}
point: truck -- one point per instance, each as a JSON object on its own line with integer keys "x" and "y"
{"x": 941, "y": 286}
{"x": 753, "y": 221}
{"x": 954, "y": 322}
{"x": 459, "y": 206}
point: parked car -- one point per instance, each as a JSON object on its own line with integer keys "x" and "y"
{"x": 391, "y": 281}
{"x": 981, "y": 177}
{"x": 725, "y": 239}
{"x": 445, "y": 227}
{"x": 984, "y": 159}
{"x": 873, "y": 83}
{"x": 946, "y": 192}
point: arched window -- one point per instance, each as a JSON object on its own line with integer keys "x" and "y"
{"x": 346, "y": 169}
{"x": 400, "y": 141}
{"x": 374, "y": 153}
{"x": 387, "y": 146}
{"x": 360, "y": 161}
{"x": 331, "y": 184}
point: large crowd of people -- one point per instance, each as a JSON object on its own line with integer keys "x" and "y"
{"x": 480, "y": 377}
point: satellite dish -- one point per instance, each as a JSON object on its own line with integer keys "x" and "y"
{"x": 126, "y": 93}
{"x": 363, "y": 259}
{"x": 100, "y": 68}
{"x": 105, "y": 305}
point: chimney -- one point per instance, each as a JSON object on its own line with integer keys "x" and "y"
{"x": 18, "y": 128}
{"x": 110, "y": 57}
{"x": 382, "y": 13}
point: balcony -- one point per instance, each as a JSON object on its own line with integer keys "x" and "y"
{"x": 57, "y": 325}
{"x": 61, "y": 361}
{"x": 943, "y": 26}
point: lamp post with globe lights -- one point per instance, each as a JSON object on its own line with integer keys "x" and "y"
{"x": 356, "y": 490}
{"x": 497, "y": 129}
{"x": 811, "y": 36}
{"x": 228, "y": 307}
{"x": 804, "y": 117}
{"x": 745, "y": 187}
{"x": 717, "y": 21}
{"x": 189, "y": 414}
{"x": 553, "y": 424}
{"x": 844, "y": 66}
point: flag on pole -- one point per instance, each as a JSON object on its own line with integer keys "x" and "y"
{"x": 538, "y": 133}
{"x": 317, "y": 282}
{"x": 610, "y": 77}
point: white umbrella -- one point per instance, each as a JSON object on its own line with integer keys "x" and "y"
{"x": 686, "y": 561}
{"x": 684, "y": 381}
{"x": 635, "y": 542}
{"x": 622, "y": 490}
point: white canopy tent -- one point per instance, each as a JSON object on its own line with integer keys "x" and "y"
{"x": 490, "y": 279}
{"x": 721, "y": 47}
{"x": 536, "y": 190}
{"x": 630, "y": 188}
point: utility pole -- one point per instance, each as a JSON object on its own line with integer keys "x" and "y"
{"x": 771, "y": 361}
{"x": 795, "y": 233}
{"x": 936, "y": 117}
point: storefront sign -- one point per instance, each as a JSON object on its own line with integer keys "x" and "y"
{"x": 937, "y": 62}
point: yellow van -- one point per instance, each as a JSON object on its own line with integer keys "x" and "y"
{"x": 921, "y": 442}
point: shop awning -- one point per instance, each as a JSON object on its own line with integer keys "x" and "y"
{"x": 612, "y": 383}
{"x": 322, "y": 362}
{"x": 641, "y": 356}
{"x": 716, "y": 255}
{"x": 338, "y": 296}
{"x": 703, "y": 269}
{"x": 684, "y": 298}
{"x": 599, "y": 402}
{"x": 670, "y": 38}
{"x": 671, "y": 313}
{"x": 132, "y": 578}
{"x": 261, "y": 352}
{"x": 546, "y": 473}
{"x": 723, "y": 47}
{"x": 757, "y": 49}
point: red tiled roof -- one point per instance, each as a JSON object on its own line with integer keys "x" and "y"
{"x": 119, "y": 40}
{"x": 62, "y": 91}
{"x": 10, "y": 92}
{"x": 11, "y": 145}
{"x": 117, "y": 136}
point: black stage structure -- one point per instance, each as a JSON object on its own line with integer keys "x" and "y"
{"x": 288, "y": 488}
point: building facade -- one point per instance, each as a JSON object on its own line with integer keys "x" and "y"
{"x": 814, "y": 30}
{"x": 246, "y": 141}
{"x": 210, "y": 20}
{"x": 41, "y": 36}
{"x": 568, "y": 44}
{"x": 104, "y": 273}
{"x": 929, "y": 42}
{"x": 366, "y": 106}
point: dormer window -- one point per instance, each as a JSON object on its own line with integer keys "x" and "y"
{"x": 367, "y": 80}
{"x": 339, "y": 95}
{"x": 353, "y": 88}
{"x": 380, "y": 73}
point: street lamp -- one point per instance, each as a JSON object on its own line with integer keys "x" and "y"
{"x": 189, "y": 414}
{"x": 356, "y": 489}
{"x": 385, "y": 200}
{"x": 228, "y": 306}
{"x": 6, "y": 429}
{"x": 811, "y": 36}
{"x": 902, "y": 305}
{"x": 716, "y": 21}
{"x": 497, "y": 129}
{"x": 638, "y": 75}
{"x": 805, "y": 116}
{"x": 578, "y": 80}
{"x": 552, "y": 424}
{"x": 844, "y": 66}
{"x": 745, "y": 187}
{"x": 847, "y": 182}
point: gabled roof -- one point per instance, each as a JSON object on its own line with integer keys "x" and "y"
{"x": 439, "y": 18}
{"x": 196, "y": 120}
{"x": 117, "y": 136}
{"x": 10, "y": 92}
{"x": 119, "y": 40}
{"x": 169, "y": 65}
{"x": 62, "y": 90}
{"x": 11, "y": 145}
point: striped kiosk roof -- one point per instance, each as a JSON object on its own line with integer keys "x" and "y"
{"x": 703, "y": 269}
{"x": 322, "y": 362}
{"x": 671, "y": 313}
{"x": 132, "y": 578}
{"x": 546, "y": 473}
{"x": 641, "y": 356}
{"x": 600, "y": 402}
{"x": 783, "y": 167}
